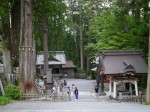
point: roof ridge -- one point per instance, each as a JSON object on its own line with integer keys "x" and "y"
{"x": 122, "y": 52}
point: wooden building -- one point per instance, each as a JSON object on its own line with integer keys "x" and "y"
{"x": 68, "y": 69}
{"x": 122, "y": 67}
{"x": 55, "y": 61}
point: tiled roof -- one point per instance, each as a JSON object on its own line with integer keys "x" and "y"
{"x": 69, "y": 64}
{"x": 59, "y": 58}
{"x": 114, "y": 61}
{"x": 121, "y": 52}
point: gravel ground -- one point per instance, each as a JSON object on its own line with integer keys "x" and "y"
{"x": 87, "y": 102}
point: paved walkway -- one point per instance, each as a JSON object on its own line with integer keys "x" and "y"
{"x": 87, "y": 102}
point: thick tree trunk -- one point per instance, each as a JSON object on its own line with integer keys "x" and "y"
{"x": 34, "y": 61}
{"x": 28, "y": 40}
{"x": 21, "y": 53}
{"x": 6, "y": 41}
{"x": 26, "y": 47}
{"x": 45, "y": 43}
{"x": 7, "y": 65}
{"x": 148, "y": 79}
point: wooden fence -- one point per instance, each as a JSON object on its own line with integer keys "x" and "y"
{"x": 140, "y": 99}
{"x": 43, "y": 97}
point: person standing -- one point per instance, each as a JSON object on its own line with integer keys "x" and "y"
{"x": 76, "y": 93}
{"x": 54, "y": 90}
{"x": 96, "y": 91}
{"x": 65, "y": 83}
{"x": 73, "y": 88}
{"x": 69, "y": 93}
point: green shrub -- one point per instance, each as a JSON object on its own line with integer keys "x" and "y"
{"x": 12, "y": 92}
{"x": 4, "y": 100}
{"x": 93, "y": 75}
{"x": 88, "y": 72}
{"x": 79, "y": 70}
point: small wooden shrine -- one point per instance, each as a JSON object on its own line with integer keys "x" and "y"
{"x": 122, "y": 67}
{"x": 54, "y": 72}
{"x": 68, "y": 69}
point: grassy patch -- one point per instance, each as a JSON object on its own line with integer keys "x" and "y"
{"x": 4, "y": 100}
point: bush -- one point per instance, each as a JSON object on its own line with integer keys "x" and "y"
{"x": 4, "y": 100}
{"x": 93, "y": 75}
{"x": 90, "y": 73}
{"x": 12, "y": 92}
{"x": 79, "y": 70}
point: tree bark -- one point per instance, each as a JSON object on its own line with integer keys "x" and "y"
{"x": 6, "y": 41}
{"x": 89, "y": 39}
{"x": 33, "y": 64}
{"x": 26, "y": 46}
{"x": 7, "y": 65}
{"x": 148, "y": 79}
{"x": 28, "y": 40}
{"x": 45, "y": 43}
{"x": 21, "y": 53}
{"x": 81, "y": 41}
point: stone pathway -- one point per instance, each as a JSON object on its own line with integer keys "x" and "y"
{"x": 87, "y": 103}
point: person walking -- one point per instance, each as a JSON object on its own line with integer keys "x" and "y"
{"x": 76, "y": 92}
{"x": 69, "y": 93}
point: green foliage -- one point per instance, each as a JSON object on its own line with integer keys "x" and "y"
{"x": 143, "y": 82}
{"x": 70, "y": 49}
{"x": 5, "y": 7}
{"x": 4, "y": 100}
{"x": 12, "y": 92}
{"x": 93, "y": 75}
{"x": 115, "y": 28}
{"x": 88, "y": 72}
{"x": 102, "y": 27}
{"x": 147, "y": 103}
{"x": 54, "y": 12}
{"x": 79, "y": 70}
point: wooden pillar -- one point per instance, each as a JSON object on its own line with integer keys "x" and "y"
{"x": 136, "y": 88}
{"x": 110, "y": 86}
{"x": 115, "y": 84}
{"x": 130, "y": 87}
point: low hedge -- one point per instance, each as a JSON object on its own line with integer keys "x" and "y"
{"x": 13, "y": 92}
{"x": 4, "y": 100}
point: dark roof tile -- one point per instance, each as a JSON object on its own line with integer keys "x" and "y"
{"x": 114, "y": 62}
{"x": 69, "y": 64}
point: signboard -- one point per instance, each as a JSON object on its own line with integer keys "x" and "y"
{"x": 49, "y": 75}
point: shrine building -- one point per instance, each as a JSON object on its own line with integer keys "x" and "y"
{"x": 122, "y": 67}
